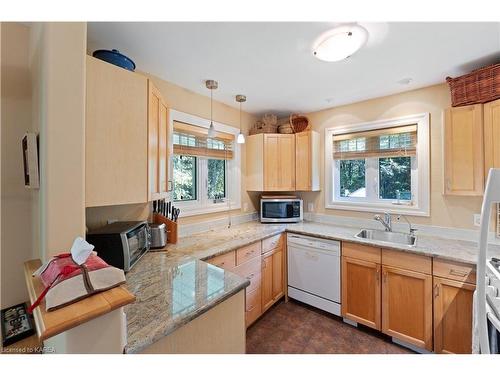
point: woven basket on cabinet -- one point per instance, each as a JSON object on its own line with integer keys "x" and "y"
{"x": 479, "y": 86}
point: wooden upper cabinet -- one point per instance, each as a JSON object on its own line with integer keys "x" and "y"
{"x": 158, "y": 143}
{"x": 407, "y": 306}
{"x": 361, "y": 292}
{"x": 307, "y": 161}
{"x": 116, "y": 135}
{"x": 279, "y": 162}
{"x": 452, "y": 316}
{"x": 491, "y": 135}
{"x": 283, "y": 162}
{"x": 463, "y": 151}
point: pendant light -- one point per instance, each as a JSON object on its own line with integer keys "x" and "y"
{"x": 240, "y": 99}
{"x": 211, "y": 85}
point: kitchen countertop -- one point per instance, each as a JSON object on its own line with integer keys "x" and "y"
{"x": 171, "y": 290}
{"x": 173, "y": 286}
{"x": 211, "y": 243}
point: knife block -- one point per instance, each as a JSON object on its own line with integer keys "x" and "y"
{"x": 171, "y": 227}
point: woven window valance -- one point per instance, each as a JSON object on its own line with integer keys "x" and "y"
{"x": 389, "y": 142}
{"x": 193, "y": 141}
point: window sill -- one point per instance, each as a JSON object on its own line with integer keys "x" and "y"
{"x": 378, "y": 207}
{"x": 186, "y": 210}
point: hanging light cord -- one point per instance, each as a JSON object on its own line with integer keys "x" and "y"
{"x": 240, "y": 117}
{"x": 211, "y": 106}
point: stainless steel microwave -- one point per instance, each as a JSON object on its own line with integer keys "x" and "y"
{"x": 281, "y": 210}
{"x": 122, "y": 243}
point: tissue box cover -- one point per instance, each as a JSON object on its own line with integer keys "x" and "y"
{"x": 69, "y": 282}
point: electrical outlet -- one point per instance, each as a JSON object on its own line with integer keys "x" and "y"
{"x": 245, "y": 207}
{"x": 477, "y": 220}
{"x": 310, "y": 207}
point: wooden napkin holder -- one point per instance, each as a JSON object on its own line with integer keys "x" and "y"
{"x": 171, "y": 227}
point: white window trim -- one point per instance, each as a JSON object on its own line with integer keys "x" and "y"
{"x": 421, "y": 206}
{"x": 203, "y": 205}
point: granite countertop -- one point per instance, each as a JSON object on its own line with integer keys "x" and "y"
{"x": 171, "y": 290}
{"x": 211, "y": 243}
{"x": 173, "y": 286}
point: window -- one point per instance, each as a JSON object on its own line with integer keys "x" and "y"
{"x": 206, "y": 173}
{"x": 216, "y": 178}
{"x": 379, "y": 166}
{"x": 184, "y": 178}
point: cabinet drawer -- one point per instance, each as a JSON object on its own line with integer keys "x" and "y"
{"x": 454, "y": 271}
{"x": 412, "y": 262}
{"x": 251, "y": 271}
{"x": 248, "y": 252}
{"x": 253, "y": 308}
{"x": 362, "y": 252}
{"x": 226, "y": 261}
{"x": 252, "y": 300}
{"x": 271, "y": 243}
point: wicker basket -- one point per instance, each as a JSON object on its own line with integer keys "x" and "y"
{"x": 260, "y": 127}
{"x": 479, "y": 86}
{"x": 299, "y": 123}
{"x": 285, "y": 129}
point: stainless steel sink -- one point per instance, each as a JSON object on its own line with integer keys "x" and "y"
{"x": 389, "y": 237}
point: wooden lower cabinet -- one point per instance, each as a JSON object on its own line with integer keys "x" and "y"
{"x": 407, "y": 306}
{"x": 361, "y": 292}
{"x": 273, "y": 286}
{"x": 452, "y": 316}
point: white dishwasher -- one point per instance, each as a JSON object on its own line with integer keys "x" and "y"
{"x": 314, "y": 272}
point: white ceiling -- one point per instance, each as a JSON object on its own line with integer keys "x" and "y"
{"x": 273, "y": 65}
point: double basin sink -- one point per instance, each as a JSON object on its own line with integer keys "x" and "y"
{"x": 388, "y": 237}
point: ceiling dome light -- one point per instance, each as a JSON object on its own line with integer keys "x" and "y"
{"x": 340, "y": 42}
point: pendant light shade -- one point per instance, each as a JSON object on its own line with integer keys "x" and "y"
{"x": 211, "y": 85}
{"x": 240, "y": 99}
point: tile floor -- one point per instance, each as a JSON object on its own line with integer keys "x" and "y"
{"x": 293, "y": 327}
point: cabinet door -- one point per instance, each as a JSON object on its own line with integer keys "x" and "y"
{"x": 267, "y": 282}
{"x": 271, "y": 162}
{"x": 464, "y": 158}
{"x": 153, "y": 140}
{"x": 116, "y": 135}
{"x": 452, "y": 316}
{"x": 278, "y": 280}
{"x": 491, "y": 135}
{"x": 361, "y": 292}
{"x": 303, "y": 161}
{"x": 158, "y": 155}
{"x": 286, "y": 167}
{"x": 407, "y": 306}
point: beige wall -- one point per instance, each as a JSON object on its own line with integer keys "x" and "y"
{"x": 16, "y": 230}
{"x": 57, "y": 61}
{"x": 190, "y": 102}
{"x": 445, "y": 211}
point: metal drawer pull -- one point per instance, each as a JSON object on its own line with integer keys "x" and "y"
{"x": 249, "y": 277}
{"x": 458, "y": 273}
{"x": 378, "y": 274}
{"x": 249, "y": 252}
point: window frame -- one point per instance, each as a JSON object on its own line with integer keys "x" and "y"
{"x": 420, "y": 174}
{"x": 203, "y": 205}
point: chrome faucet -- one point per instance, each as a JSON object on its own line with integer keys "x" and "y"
{"x": 386, "y": 221}
{"x": 411, "y": 229}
